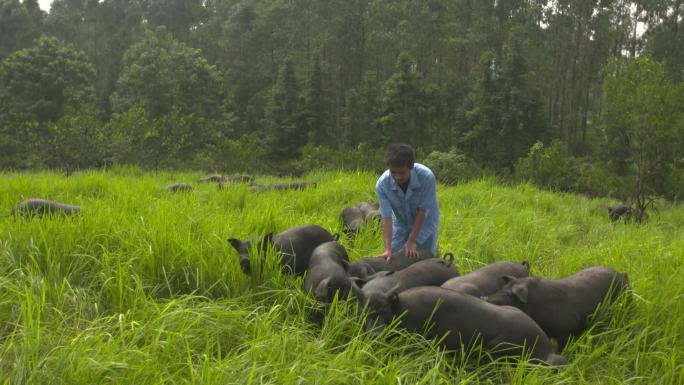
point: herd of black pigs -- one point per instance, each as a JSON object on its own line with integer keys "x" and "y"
{"x": 500, "y": 305}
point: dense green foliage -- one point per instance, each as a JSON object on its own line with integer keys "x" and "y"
{"x": 39, "y": 86}
{"x": 178, "y": 84}
{"x": 643, "y": 127}
{"x": 143, "y": 288}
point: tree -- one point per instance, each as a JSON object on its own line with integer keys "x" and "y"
{"x": 167, "y": 78}
{"x": 72, "y": 21}
{"x": 522, "y": 119}
{"x": 77, "y": 140}
{"x": 285, "y": 128}
{"x": 480, "y": 113}
{"x": 252, "y": 47}
{"x": 358, "y": 123}
{"x": 178, "y": 16}
{"x": 643, "y": 122}
{"x": 117, "y": 24}
{"x": 38, "y": 86}
{"x": 504, "y": 112}
{"x": 666, "y": 34}
{"x": 104, "y": 30}
{"x": 404, "y": 107}
{"x": 161, "y": 74}
{"x": 578, "y": 39}
{"x": 317, "y": 109}
{"x": 20, "y": 24}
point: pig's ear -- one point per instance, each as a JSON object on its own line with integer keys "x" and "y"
{"x": 358, "y": 293}
{"x": 265, "y": 242}
{"x": 236, "y": 243}
{"x": 526, "y": 263}
{"x": 507, "y": 278}
{"x": 322, "y": 288}
{"x": 393, "y": 297}
{"x": 520, "y": 291}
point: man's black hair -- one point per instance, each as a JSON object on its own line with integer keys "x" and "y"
{"x": 400, "y": 154}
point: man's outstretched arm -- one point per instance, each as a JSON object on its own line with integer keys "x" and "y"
{"x": 387, "y": 238}
{"x": 410, "y": 247}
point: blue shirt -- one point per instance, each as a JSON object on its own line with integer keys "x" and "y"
{"x": 402, "y": 207}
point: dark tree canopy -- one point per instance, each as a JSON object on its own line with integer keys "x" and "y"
{"x": 509, "y": 87}
{"x": 162, "y": 74}
{"x": 38, "y": 86}
{"x": 42, "y": 82}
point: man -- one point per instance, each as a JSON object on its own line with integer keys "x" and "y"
{"x": 408, "y": 203}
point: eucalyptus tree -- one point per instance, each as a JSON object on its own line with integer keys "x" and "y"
{"x": 20, "y": 24}
{"x": 665, "y": 33}
{"x": 166, "y": 81}
{"x": 643, "y": 125}
{"x": 580, "y": 38}
{"x": 39, "y": 86}
{"x": 285, "y": 129}
{"x": 318, "y": 108}
{"x": 179, "y": 17}
{"x": 104, "y": 30}
{"x": 405, "y": 111}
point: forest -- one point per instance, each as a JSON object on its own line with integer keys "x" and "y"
{"x": 580, "y": 96}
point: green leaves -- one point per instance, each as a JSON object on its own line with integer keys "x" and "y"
{"x": 177, "y": 91}
{"x": 405, "y": 105}
{"x": 39, "y": 86}
{"x": 161, "y": 74}
{"x": 285, "y": 129}
{"x": 20, "y": 23}
{"x": 643, "y": 125}
{"x": 43, "y": 81}
{"x": 504, "y": 112}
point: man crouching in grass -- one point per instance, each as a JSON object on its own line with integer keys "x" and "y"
{"x": 408, "y": 203}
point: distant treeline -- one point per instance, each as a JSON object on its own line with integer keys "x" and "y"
{"x": 574, "y": 95}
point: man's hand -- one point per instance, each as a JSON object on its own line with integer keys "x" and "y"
{"x": 387, "y": 238}
{"x": 411, "y": 249}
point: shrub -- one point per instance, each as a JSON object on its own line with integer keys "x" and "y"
{"x": 675, "y": 185}
{"x": 452, "y": 167}
{"x": 551, "y": 167}
{"x": 594, "y": 179}
{"x": 245, "y": 154}
{"x": 76, "y": 141}
{"x": 324, "y": 158}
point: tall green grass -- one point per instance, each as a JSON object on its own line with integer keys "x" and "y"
{"x": 143, "y": 288}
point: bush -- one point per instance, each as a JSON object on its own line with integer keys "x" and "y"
{"x": 324, "y": 158}
{"x": 554, "y": 168}
{"x": 245, "y": 154}
{"x": 125, "y": 134}
{"x": 594, "y": 179}
{"x": 171, "y": 141}
{"x": 675, "y": 185}
{"x": 551, "y": 167}
{"x": 19, "y": 146}
{"x": 76, "y": 141}
{"x": 452, "y": 167}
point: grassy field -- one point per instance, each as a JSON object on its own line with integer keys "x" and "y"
{"x": 142, "y": 287}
